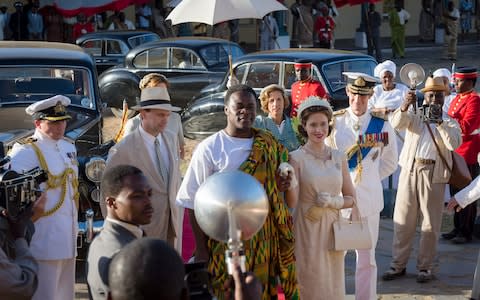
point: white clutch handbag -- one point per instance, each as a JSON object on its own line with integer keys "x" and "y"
{"x": 351, "y": 234}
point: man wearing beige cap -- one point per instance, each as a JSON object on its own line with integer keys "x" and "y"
{"x": 54, "y": 243}
{"x": 430, "y": 136}
{"x": 152, "y": 149}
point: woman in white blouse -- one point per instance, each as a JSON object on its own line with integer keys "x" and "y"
{"x": 389, "y": 95}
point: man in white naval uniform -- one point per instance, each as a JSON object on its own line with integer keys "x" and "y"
{"x": 54, "y": 243}
{"x": 369, "y": 143}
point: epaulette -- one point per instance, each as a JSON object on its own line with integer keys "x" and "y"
{"x": 379, "y": 115}
{"x": 27, "y": 140}
{"x": 339, "y": 112}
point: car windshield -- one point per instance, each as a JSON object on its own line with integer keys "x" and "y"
{"x": 333, "y": 71}
{"x": 217, "y": 54}
{"x": 134, "y": 41}
{"x": 34, "y": 83}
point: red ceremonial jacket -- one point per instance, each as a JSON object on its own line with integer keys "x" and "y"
{"x": 302, "y": 90}
{"x": 465, "y": 109}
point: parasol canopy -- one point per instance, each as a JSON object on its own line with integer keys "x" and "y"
{"x": 212, "y": 12}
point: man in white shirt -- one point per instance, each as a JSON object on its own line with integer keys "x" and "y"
{"x": 153, "y": 150}
{"x": 255, "y": 152}
{"x": 422, "y": 180}
{"x": 35, "y": 24}
{"x": 126, "y": 192}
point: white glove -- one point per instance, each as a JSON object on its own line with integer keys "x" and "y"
{"x": 285, "y": 169}
{"x": 325, "y": 199}
{"x": 232, "y": 80}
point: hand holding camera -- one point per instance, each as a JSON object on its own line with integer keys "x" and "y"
{"x": 410, "y": 99}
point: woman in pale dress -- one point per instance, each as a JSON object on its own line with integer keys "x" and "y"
{"x": 324, "y": 188}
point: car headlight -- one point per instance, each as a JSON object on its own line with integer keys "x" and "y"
{"x": 96, "y": 195}
{"x": 94, "y": 169}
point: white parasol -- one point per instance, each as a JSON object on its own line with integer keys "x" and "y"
{"x": 212, "y": 12}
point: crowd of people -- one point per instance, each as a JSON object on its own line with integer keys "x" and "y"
{"x": 313, "y": 24}
{"x": 338, "y": 162}
{"x": 30, "y": 21}
{"x": 339, "y": 165}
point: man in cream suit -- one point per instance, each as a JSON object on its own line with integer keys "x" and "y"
{"x": 371, "y": 149}
{"x": 151, "y": 149}
{"x": 421, "y": 185}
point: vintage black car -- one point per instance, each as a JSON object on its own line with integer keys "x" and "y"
{"x": 33, "y": 71}
{"x": 110, "y": 47}
{"x": 189, "y": 63}
{"x": 205, "y": 114}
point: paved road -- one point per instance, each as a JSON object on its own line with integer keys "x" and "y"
{"x": 456, "y": 263}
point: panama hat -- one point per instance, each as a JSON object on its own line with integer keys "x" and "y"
{"x": 155, "y": 98}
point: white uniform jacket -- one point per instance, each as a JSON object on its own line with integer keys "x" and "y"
{"x": 378, "y": 164}
{"x": 55, "y": 235}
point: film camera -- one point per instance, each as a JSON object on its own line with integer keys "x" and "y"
{"x": 432, "y": 113}
{"x": 18, "y": 190}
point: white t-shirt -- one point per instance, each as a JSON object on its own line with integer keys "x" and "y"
{"x": 388, "y": 99}
{"x": 217, "y": 153}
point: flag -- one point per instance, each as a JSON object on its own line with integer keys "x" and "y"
{"x": 71, "y": 8}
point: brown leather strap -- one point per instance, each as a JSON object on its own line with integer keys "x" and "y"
{"x": 436, "y": 146}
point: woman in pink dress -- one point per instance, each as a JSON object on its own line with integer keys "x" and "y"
{"x": 324, "y": 188}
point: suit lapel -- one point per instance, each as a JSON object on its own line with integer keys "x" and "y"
{"x": 141, "y": 152}
{"x": 171, "y": 156}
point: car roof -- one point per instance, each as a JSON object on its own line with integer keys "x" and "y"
{"x": 24, "y": 52}
{"x": 186, "y": 42}
{"x": 315, "y": 55}
{"x": 118, "y": 34}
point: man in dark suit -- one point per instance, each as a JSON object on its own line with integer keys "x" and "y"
{"x": 127, "y": 196}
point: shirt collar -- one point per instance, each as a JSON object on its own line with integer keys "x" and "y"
{"x": 43, "y": 137}
{"x": 134, "y": 229}
{"x": 361, "y": 118}
{"x": 147, "y": 136}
